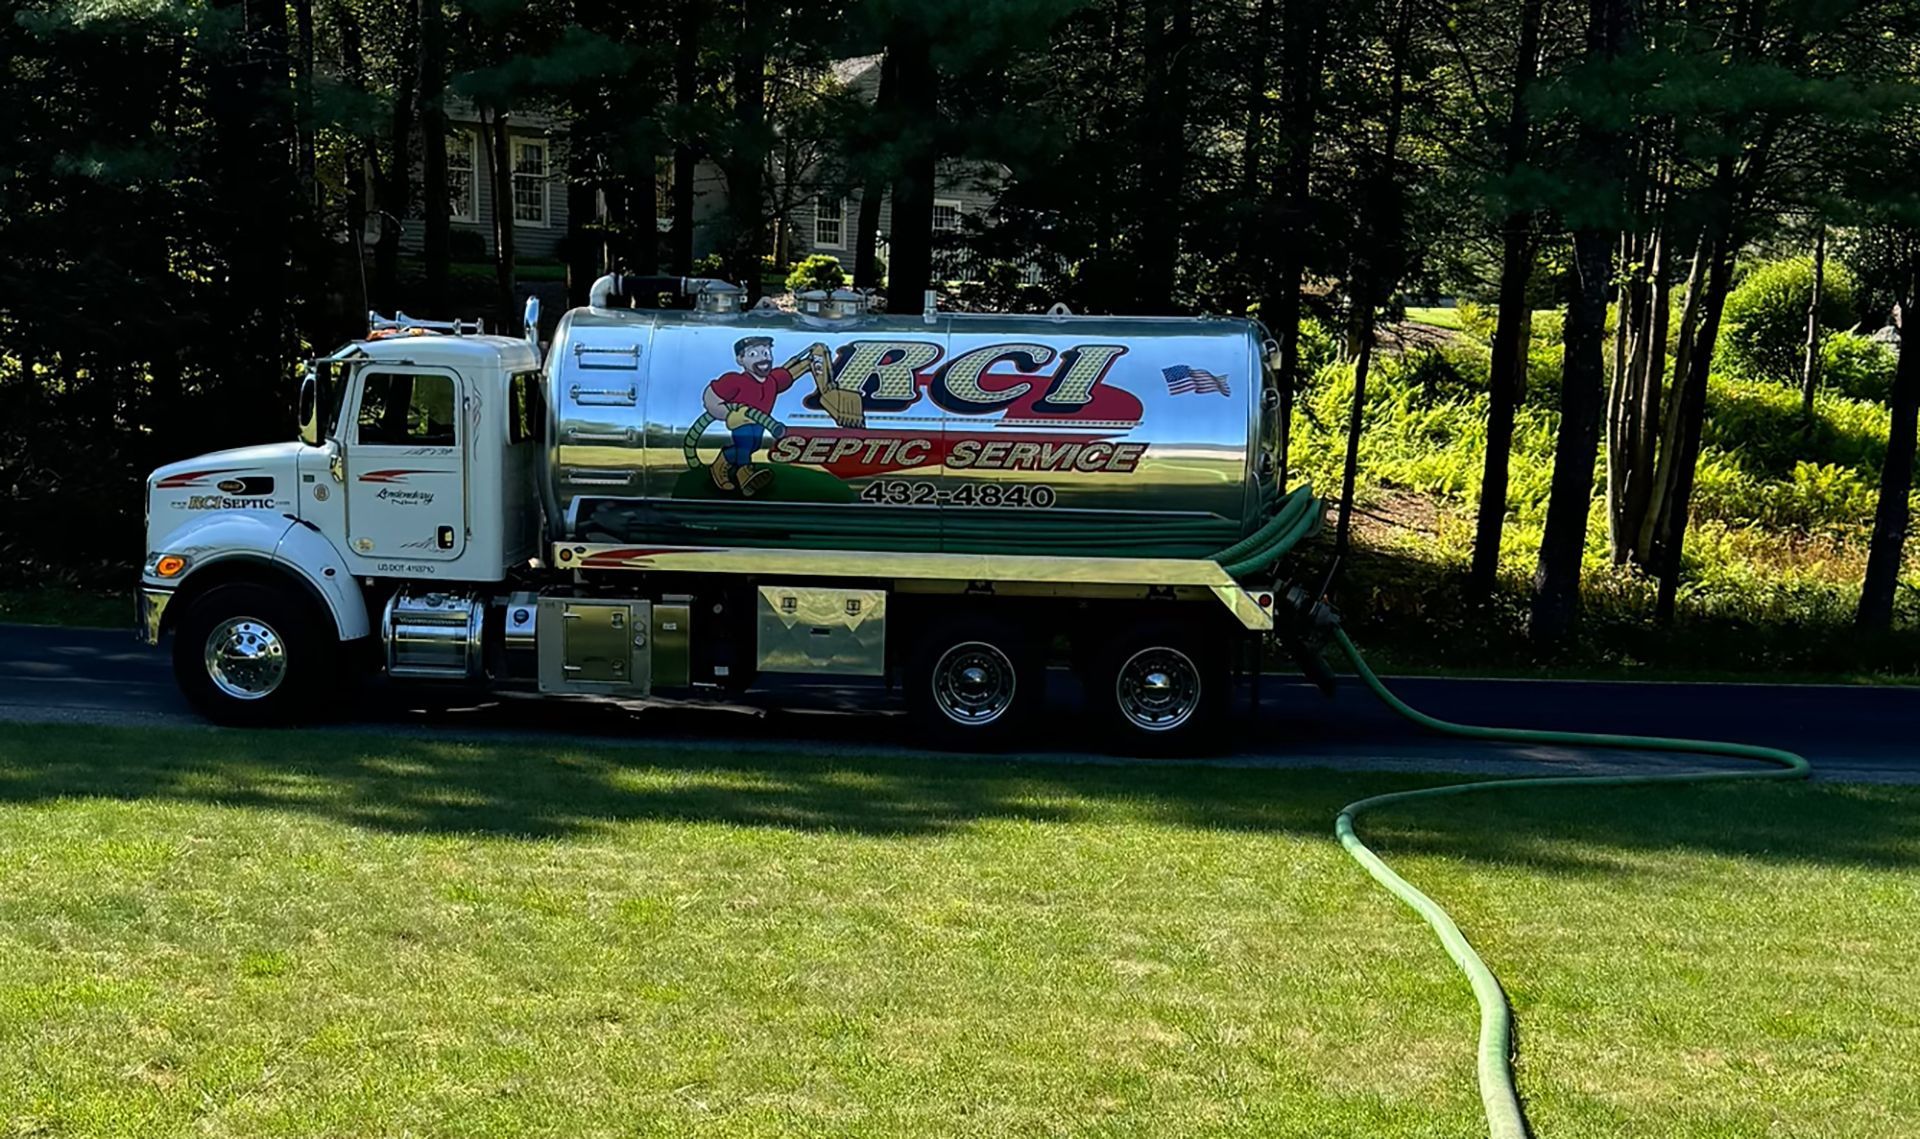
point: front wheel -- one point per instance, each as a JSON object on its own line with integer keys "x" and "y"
{"x": 1160, "y": 688}
{"x": 245, "y": 654}
{"x": 974, "y": 682}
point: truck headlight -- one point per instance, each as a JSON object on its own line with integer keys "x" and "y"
{"x": 166, "y": 565}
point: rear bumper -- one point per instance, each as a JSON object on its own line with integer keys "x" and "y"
{"x": 150, "y": 609}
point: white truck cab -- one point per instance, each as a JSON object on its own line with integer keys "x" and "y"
{"x": 648, "y": 509}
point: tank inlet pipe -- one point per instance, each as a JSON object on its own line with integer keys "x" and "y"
{"x": 1498, "y": 1094}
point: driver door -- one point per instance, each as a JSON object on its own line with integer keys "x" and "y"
{"x": 406, "y": 465}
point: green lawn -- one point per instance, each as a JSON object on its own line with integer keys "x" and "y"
{"x": 1448, "y": 317}
{"x": 226, "y": 933}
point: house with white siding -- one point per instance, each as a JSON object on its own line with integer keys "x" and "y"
{"x": 815, "y": 212}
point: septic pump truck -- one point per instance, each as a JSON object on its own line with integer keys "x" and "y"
{"x": 671, "y": 500}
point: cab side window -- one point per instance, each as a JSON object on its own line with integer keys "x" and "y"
{"x": 407, "y": 409}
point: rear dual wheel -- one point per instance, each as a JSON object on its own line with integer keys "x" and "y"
{"x": 975, "y": 681}
{"x": 1159, "y": 687}
{"x": 1153, "y": 687}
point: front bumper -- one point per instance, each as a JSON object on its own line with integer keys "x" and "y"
{"x": 149, "y": 614}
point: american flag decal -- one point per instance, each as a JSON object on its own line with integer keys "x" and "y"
{"x": 1182, "y": 380}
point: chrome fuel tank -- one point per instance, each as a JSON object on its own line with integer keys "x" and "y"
{"x": 1015, "y": 433}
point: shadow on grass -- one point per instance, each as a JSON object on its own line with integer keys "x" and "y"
{"x": 517, "y": 789}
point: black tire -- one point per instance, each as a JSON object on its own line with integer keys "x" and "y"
{"x": 276, "y": 626}
{"x": 1188, "y": 715}
{"x": 951, "y": 709}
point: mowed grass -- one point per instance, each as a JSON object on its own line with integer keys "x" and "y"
{"x": 262, "y": 934}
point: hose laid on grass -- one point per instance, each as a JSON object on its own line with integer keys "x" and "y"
{"x": 1498, "y": 1095}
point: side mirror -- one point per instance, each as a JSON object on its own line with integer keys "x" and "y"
{"x": 317, "y": 410}
{"x": 309, "y": 411}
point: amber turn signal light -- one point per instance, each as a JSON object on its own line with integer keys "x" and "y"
{"x": 169, "y": 565}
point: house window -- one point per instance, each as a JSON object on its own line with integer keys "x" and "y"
{"x": 946, "y": 216}
{"x": 463, "y": 147}
{"x": 830, "y": 223}
{"x": 530, "y": 181}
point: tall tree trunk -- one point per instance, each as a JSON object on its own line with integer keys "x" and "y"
{"x": 500, "y": 175}
{"x": 866, "y": 252}
{"x": 873, "y": 190}
{"x": 686, "y": 154}
{"x": 745, "y": 169}
{"x": 1736, "y": 178}
{"x": 910, "y": 236}
{"x": 393, "y": 180}
{"x": 435, "y": 206}
{"x": 1890, "y": 518}
{"x": 1159, "y": 212}
{"x": 1735, "y": 182}
{"x": 586, "y": 235}
{"x": 303, "y": 96}
{"x": 1304, "y": 24}
{"x": 1556, "y": 578}
{"x": 1666, "y": 469}
{"x": 250, "y": 107}
{"x": 1648, "y": 371}
{"x": 362, "y": 155}
{"x": 1810, "y": 359}
{"x": 1507, "y": 378}
{"x": 1692, "y": 413}
{"x": 1253, "y": 251}
{"x": 1378, "y": 269}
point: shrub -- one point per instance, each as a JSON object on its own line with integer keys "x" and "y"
{"x": 1478, "y": 321}
{"x": 1766, "y": 316}
{"x": 818, "y": 271}
{"x": 1318, "y": 346}
{"x": 1759, "y": 425}
{"x": 1856, "y": 366}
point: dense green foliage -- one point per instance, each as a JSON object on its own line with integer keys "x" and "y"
{"x": 1766, "y": 315}
{"x": 817, "y": 271}
{"x": 1775, "y": 553}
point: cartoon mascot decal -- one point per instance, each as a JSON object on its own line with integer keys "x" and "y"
{"x": 744, "y": 401}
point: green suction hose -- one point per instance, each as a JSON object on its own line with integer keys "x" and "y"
{"x": 1498, "y": 1095}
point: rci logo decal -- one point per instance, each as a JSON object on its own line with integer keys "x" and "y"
{"x": 222, "y": 502}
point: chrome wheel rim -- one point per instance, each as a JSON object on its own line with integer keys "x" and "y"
{"x": 245, "y": 658}
{"x": 973, "y": 683}
{"x": 1158, "y": 689}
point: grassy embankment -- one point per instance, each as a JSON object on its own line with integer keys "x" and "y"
{"x": 219, "y": 933}
{"x": 1774, "y": 556}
